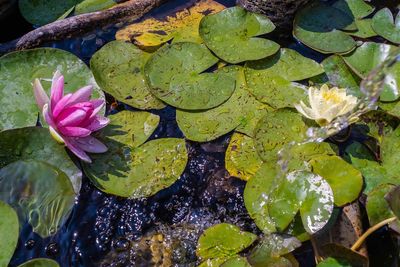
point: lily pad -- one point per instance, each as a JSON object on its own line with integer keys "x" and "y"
{"x": 223, "y": 241}
{"x": 257, "y": 193}
{"x": 174, "y": 76}
{"x": 9, "y": 231}
{"x": 40, "y": 263}
{"x": 377, "y": 207}
{"x": 231, "y": 35}
{"x": 354, "y": 8}
{"x": 364, "y": 29}
{"x": 305, "y": 192}
{"x": 241, "y": 158}
{"x": 18, "y": 70}
{"x": 118, "y": 69}
{"x": 236, "y": 262}
{"x": 270, "y": 250}
{"x": 40, "y": 193}
{"x": 341, "y": 76}
{"x": 319, "y": 26}
{"x": 203, "y": 126}
{"x": 87, "y": 6}
{"x": 386, "y": 26}
{"x": 368, "y": 56}
{"x": 40, "y": 12}
{"x": 270, "y": 79}
{"x": 133, "y": 169}
{"x": 181, "y": 26}
{"x": 345, "y": 181}
{"x": 393, "y": 199}
{"x": 277, "y": 129}
{"x": 332, "y": 262}
{"x": 36, "y": 143}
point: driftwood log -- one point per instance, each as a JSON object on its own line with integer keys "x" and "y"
{"x": 81, "y": 24}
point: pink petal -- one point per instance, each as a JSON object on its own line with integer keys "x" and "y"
{"x": 89, "y": 144}
{"x": 74, "y": 131}
{"x": 57, "y": 90}
{"x": 71, "y": 117}
{"x": 48, "y": 117}
{"x": 82, "y": 95}
{"x": 77, "y": 151}
{"x": 61, "y": 105}
{"x": 40, "y": 95}
{"x": 98, "y": 123}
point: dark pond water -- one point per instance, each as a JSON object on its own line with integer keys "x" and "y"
{"x": 105, "y": 230}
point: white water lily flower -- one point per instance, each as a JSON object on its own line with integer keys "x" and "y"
{"x": 326, "y": 104}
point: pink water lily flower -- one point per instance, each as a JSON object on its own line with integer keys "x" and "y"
{"x": 72, "y": 117}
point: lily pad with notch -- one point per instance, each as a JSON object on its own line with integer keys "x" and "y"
{"x": 232, "y": 35}
{"x": 386, "y": 26}
{"x": 174, "y": 74}
{"x": 320, "y": 26}
{"x": 40, "y": 193}
{"x": 18, "y": 107}
{"x": 118, "y": 69}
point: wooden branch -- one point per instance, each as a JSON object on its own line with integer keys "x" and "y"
{"x": 81, "y": 24}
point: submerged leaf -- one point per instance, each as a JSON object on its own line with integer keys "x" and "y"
{"x": 182, "y": 26}
{"x": 9, "y": 231}
{"x": 231, "y": 35}
{"x": 36, "y": 143}
{"x": 223, "y": 241}
{"x": 40, "y": 193}
{"x": 18, "y": 70}
{"x": 377, "y": 207}
{"x": 174, "y": 74}
{"x": 118, "y": 69}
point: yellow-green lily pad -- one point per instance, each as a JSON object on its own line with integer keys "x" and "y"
{"x": 236, "y": 261}
{"x": 241, "y": 157}
{"x": 118, "y": 69}
{"x": 386, "y": 26}
{"x": 87, "y": 6}
{"x": 9, "y": 231}
{"x": 232, "y": 35}
{"x": 223, "y": 241}
{"x": 320, "y": 26}
{"x": 174, "y": 74}
{"x": 40, "y": 193}
{"x": 40, "y": 262}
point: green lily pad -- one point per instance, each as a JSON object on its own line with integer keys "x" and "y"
{"x": 270, "y": 79}
{"x": 332, "y": 262}
{"x": 241, "y": 158}
{"x": 203, "y": 126}
{"x": 305, "y": 192}
{"x": 344, "y": 255}
{"x": 393, "y": 199}
{"x": 319, "y": 26}
{"x": 236, "y": 262}
{"x": 341, "y": 76}
{"x": 386, "y": 26}
{"x": 174, "y": 76}
{"x": 223, "y": 241}
{"x": 212, "y": 262}
{"x": 377, "y": 207}
{"x": 345, "y": 181}
{"x": 354, "y": 8}
{"x": 118, "y": 69}
{"x": 255, "y": 195}
{"x": 364, "y": 29}
{"x": 87, "y": 6}
{"x": 36, "y": 143}
{"x": 18, "y": 70}
{"x": 40, "y": 263}
{"x": 277, "y": 129}
{"x": 40, "y": 193}
{"x": 40, "y": 12}
{"x": 9, "y": 231}
{"x": 231, "y": 35}
{"x": 368, "y": 56}
{"x": 270, "y": 250}
{"x": 130, "y": 168}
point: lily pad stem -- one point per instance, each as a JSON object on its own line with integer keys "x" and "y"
{"x": 362, "y": 238}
